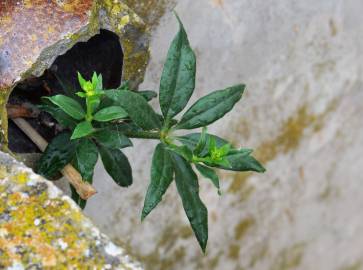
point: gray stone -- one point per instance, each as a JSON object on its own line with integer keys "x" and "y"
{"x": 302, "y": 112}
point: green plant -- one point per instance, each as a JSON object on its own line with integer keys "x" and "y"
{"x": 99, "y": 121}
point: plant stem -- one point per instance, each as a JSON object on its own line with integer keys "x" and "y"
{"x": 89, "y": 110}
{"x": 143, "y": 134}
{"x": 84, "y": 189}
{"x": 198, "y": 159}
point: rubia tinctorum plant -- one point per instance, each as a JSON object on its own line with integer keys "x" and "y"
{"x": 101, "y": 122}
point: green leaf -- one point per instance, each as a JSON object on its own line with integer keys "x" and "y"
{"x": 241, "y": 162}
{"x": 68, "y": 105}
{"x": 94, "y": 80}
{"x": 117, "y": 165}
{"x": 191, "y": 141}
{"x": 147, "y": 94}
{"x": 58, "y": 153}
{"x": 93, "y": 102}
{"x": 110, "y": 113}
{"x": 224, "y": 162}
{"x": 137, "y": 108}
{"x": 178, "y": 78}
{"x": 124, "y": 86}
{"x": 161, "y": 177}
{"x": 182, "y": 150}
{"x": 105, "y": 101}
{"x": 188, "y": 188}
{"x": 225, "y": 149}
{"x": 81, "y": 94}
{"x": 244, "y": 151}
{"x": 210, "y": 174}
{"x": 211, "y": 107}
{"x": 217, "y": 155}
{"x": 112, "y": 139}
{"x": 84, "y": 161}
{"x": 99, "y": 85}
{"x": 59, "y": 115}
{"x": 125, "y": 127}
{"x": 201, "y": 143}
{"x": 81, "y": 80}
{"x": 212, "y": 144}
{"x": 86, "y": 156}
{"x": 82, "y": 129}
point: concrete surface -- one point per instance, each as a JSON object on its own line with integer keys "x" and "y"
{"x": 302, "y": 63}
{"x": 41, "y": 228}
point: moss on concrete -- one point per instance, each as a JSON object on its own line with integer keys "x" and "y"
{"x": 41, "y": 227}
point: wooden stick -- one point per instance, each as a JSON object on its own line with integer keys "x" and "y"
{"x": 84, "y": 189}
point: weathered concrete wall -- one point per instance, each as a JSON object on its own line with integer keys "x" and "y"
{"x": 303, "y": 109}
{"x": 41, "y": 228}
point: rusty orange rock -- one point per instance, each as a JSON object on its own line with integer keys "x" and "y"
{"x": 34, "y": 33}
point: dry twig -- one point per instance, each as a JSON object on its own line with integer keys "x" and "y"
{"x": 84, "y": 189}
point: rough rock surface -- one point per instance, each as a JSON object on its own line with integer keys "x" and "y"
{"x": 40, "y": 228}
{"x": 34, "y": 33}
{"x": 302, "y": 62}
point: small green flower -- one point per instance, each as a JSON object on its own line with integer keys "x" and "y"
{"x": 88, "y": 87}
{"x": 218, "y": 154}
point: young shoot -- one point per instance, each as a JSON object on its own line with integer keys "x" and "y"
{"x": 100, "y": 122}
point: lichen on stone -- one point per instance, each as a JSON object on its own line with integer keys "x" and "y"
{"x": 41, "y": 227}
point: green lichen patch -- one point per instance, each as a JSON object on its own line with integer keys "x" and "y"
{"x": 288, "y": 139}
{"x": 151, "y": 10}
{"x": 41, "y": 227}
{"x": 289, "y": 258}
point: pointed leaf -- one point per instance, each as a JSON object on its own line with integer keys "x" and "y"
{"x": 93, "y": 100}
{"x": 161, "y": 177}
{"x": 137, "y": 108}
{"x": 183, "y": 151}
{"x": 147, "y": 94}
{"x": 188, "y": 188}
{"x": 244, "y": 151}
{"x": 241, "y": 162}
{"x": 86, "y": 156}
{"x": 112, "y": 139}
{"x": 211, "y": 108}
{"x": 81, "y": 94}
{"x": 84, "y": 161}
{"x": 81, "y": 80}
{"x": 117, "y": 165}
{"x": 110, "y": 113}
{"x": 125, "y": 86}
{"x": 212, "y": 145}
{"x": 58, "y": 153}
{"x": 225, "y": 149}
{"x": 210, "y": 174}
{"x": 68, "y": 105}
{"x": 178, "y": 78}
{"x": 94, "y": 80}
{"x": 201, "y": 143}
{"x": 99, "y": 85}
{"x": 191, "y": 140}
{"x": 82, "y": 129}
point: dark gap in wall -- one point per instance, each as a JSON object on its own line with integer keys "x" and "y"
{"x": 102, "y": 53}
